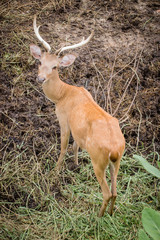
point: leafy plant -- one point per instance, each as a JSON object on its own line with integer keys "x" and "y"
{"x": 151, "y": 224}
{"x": 149, "y": 168}
{"x": 150, "y": 217}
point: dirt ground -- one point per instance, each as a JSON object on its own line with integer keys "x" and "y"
{"x": 120, "y": 67}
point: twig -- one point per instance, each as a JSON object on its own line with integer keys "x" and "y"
{"x": 139, "y": 125}
{"x": 98, "y": 72}
{"x": 109, "y": 85}
{"x": 138, "y": 80}
{"x": 128, "y": 83}
{"x": 124, "y": 67}
{"x": 13, "y": 120}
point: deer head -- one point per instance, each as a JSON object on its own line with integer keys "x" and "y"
{"x": 50, "y": 62}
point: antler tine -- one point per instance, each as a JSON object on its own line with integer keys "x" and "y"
{"x": 36, "y": 30}
{"x": 83, "y": 42}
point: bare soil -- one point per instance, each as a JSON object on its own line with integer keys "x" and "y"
{"x": 120, "y": 67}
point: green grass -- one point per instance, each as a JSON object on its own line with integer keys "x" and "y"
{"x": 45, "y": 206}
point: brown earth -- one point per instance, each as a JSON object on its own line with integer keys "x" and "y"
{"x": 120, "y": 67}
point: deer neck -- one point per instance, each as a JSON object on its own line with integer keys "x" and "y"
{"x": 53, "y": 87}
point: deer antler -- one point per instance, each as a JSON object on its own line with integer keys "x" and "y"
{"x": 36, "y": 30}
{"x": 47, "y": 46}
{"x": 83, "y": 42}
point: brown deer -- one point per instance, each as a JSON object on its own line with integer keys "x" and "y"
{"x": 92, "y": 128}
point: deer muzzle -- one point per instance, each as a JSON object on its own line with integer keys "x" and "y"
{"x": 40, "y": 79}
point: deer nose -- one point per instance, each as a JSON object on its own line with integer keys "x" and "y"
{"x": 40, "y": 79}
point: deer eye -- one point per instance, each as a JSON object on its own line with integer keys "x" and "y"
{"x": 54, "y": 67}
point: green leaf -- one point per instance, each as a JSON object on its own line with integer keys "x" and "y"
{"x": 142, "y": 235}
{"x": 158, "y": 163}
{"x": 151, "y": 169}
{"x": 151, "y": 222}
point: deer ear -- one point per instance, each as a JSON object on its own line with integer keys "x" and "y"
{"x": 67, "y": 60}
{"x": 35, "y": 51}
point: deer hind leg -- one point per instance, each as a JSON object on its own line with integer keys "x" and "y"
{"x": 75, "y": 149}
{"x": 100, "y": 175}
{"x": 65, "y": 133}
{"x": 114, "y": 168}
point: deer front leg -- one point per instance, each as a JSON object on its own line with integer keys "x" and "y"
{"x": 65, "y": 133}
